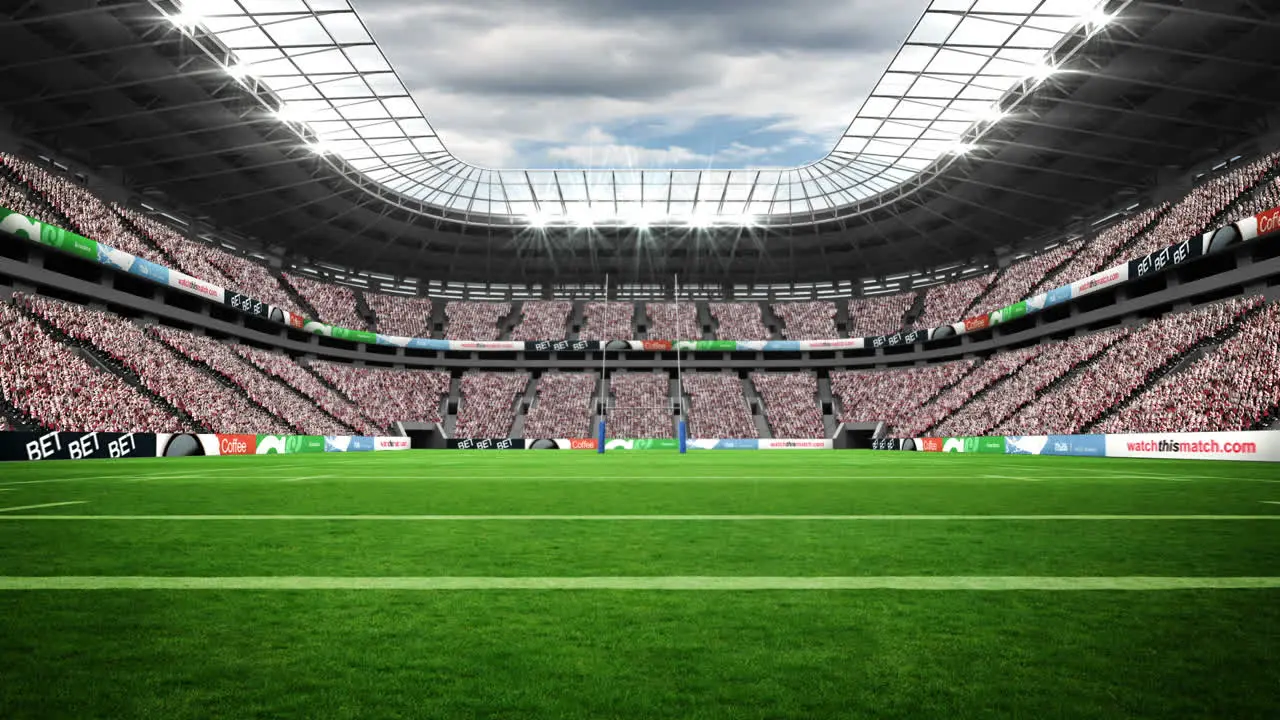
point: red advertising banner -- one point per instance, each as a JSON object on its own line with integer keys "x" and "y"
{"x": 1269, "y": 221}
{"x": 656, "y": 345}
{"x": 977, "y": 323}
{"x": 582, "y": 444}
{"x": 237, "y": 444}
{"x": 931, "y": 444}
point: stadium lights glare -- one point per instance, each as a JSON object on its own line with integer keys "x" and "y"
{"x": 185, "y": 20}
{"x": 1097, "y": 19}
{"x": 1041, "y": 71}
{"x": 240, "y": 71}
{"x": 963, "y": 148}
{"x": 701, "y": 222}
{"x": 292, "y": 113}
{"x": 993, "y": 114}
{"x": 536, "y": 221}
{"x": 320, "y": 147}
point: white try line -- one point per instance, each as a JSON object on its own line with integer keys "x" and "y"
{"x": 43, "y": 505}
{"x": 685, "y": 583}
{"x": 639, "y": 518}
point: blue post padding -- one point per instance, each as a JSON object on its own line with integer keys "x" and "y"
{"x": 600, "y": 438}
{"x": 684, "y": 437}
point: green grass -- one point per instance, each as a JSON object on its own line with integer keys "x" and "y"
{"x": 639, "y": 653}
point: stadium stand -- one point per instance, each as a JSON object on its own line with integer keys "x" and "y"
{"x": 1001, "y": 401}
{"x": 608, "y": 321}
{"x": 717, "y": 407}
{"x": 1263, "y": 198}
{"x": 88, "y": 215}
{"x": 1094, "y": 254}
{"x": 161, "y": 370}
{"x": 286, "y": 370}
{"x": 335, "y": 304}
{"x": 892, "y": 396}
{"x": 488, "y": 399}
{"x": 879, "y": 315}
{"x": 400, "y": 315}
{"x": 947, "y": 303}
{"x": 673, "y": 321}
{"x": 543, "y": 320}
{"x": 739, "y": 321}
{"x": 642, "y": 406}
{"x": 1235, "y": 387}
{"x": 60, "y": 390}
{"x": 388, "y": 396}
{"x": 807, "y": 320}
{"x": 563, "y": 408}
{"x": 16, "y": 198}
{"x": 790, "y": 404}
{"x": 1016, "y": 281}
{"x": 1122, "y": 370}
{"x": 474, "y": 321}
{"x": 993, "y": 370}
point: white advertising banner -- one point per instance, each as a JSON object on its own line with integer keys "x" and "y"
{"x": 775, "y": 444}
{"x": 390, "y": 443}
{"x": 1262, "y": 446}
{"x": 1105, "y": 279}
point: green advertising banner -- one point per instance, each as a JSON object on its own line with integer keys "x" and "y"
{"x": 272, "y": 444}
{"x": 987, "y": 445}
{"x": 297, "y": 444}
{"x": 363, "y": 336}
{"x": 644, "y": 444}
{"x": 716, "y": 345}
{"x": 54, "y": 237}
{"x": 1013, "y": 312}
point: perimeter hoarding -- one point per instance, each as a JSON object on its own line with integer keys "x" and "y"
{"x": 993, "y": 445}
{"x": 643, "y": 444}
{"x": 1063, "y": 445}
{"x": 561, "y": 444}
{"x": 484, "y": 444}
{"x": 75, "y": 446}
{"x": 799, "y": 444}
{"x": 1260, "y": 446}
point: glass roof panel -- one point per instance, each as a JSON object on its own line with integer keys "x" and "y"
{"x": 332, "y": 82}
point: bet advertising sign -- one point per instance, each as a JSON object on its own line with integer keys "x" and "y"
{"x": 75, "y": 446}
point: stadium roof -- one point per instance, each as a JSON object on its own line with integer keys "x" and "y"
{"x": 152, "y": 107}
{"x": 964, "y": 66}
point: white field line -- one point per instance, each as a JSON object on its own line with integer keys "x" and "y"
{"x": 1013, "y": 477}
{"x": 43, "y": 505}
{"x": 307, "y": 477}
{"x": 686, "y": 583}
{"x": 643, "y": 518}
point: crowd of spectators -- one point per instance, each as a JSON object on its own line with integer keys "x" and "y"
{"x": 89, "y": 216}
{"x": 1016, "y": 281}
{"x": 1003, "y": 400}
{"x": 285, "y": 369}
{"x": 15, "y": 197}
{"x": 1122, "y": 370}
{"x": 717, "y": 407}
{"x": 790, "y": 404}
{"x": 608, "y": 321}
{"x": 1191, "y": 216}
{"x": 302, "y": 415}
{"x": 563, "y": 408}
{"x": 335, "y": 304}
{"x": 543, "y": 320}
{"x": 892, "y": 396}
{"x": 388, "y": 396}
{"x": 641, "y": 406}
{"x": 1093, "y": 255}
{"x": 673, "y": 321}
{"x": 1232, "y": 388}
{"x": 879, "y": 314}
{"x": 400, "y": 315}
{"x": 161, "y": 370}
{"x": 814, "y": 320}
{"x": 945, "y": 304}
{"x": 739, "y": 321}
{"x": 1263, "y": 198}
{"x": 487, "y": 408}
{"x": 993, "y": 370}
{"x": 474, "y": 320}
{"x": 59, "y": 389}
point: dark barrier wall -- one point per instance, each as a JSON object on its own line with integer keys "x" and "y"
{"x": 75, "y": 446}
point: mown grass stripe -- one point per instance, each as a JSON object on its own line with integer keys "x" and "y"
{"x": 631, "y": 518}
{"x": 42, "y": 505}
{"x": 1135, "y": 583}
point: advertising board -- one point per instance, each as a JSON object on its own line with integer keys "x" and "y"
{"x": 1260, "y": 446}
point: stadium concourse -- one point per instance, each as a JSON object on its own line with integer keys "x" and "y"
{"x": 975, "y": 413}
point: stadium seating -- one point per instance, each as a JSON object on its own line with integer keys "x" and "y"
{"x": 1016, "y": 282}
{"x": 160, "y": 369}
{"x": 388, "y": 396}
{"x": 993, "y": 370}
{"x": 488, "y": 399}
{"x": 543, "y": 320}
{"x": 1122, "y": 370}
{"x": 400, "y": 315}
{"x": 302, "y": 415}
{"x": 563, "y": 408}
{"x": 1191, "y": 216}
{"x": 474, "y": 320}
{"x": 641, "y": 406}
{"x": 717, "y": 407}
{"x": 56, "y": 387}
{"x": 608, "y": 321}
{"x": 214, "y": 265}
{"x": 739, "y": 321}
{"x": 1232, "y": 388}
{"x": 947, "y": 303}
{"x": 807, "y": 320}
{"x": 673, "y": 321}
{"x": 790, "y": 404}
{"x": 892, "y": 396}
{"x": 335, "y": 304}
{"x": 1265, "y": 197}
{"x": 16, "y": 198}
{"x": 90, "y": 216}
{"x": 987, "y": 412}
{"x": 286, "y": 370}
{"x": 1095, "y": 254}
{"x": 879, "y": 314}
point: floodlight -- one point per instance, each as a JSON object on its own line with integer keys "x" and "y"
{"x": 1041, "y": 71}
{"x": 292, "y": 113}
{"x": 320, "y": 147}
{"x": 701, "y": 222}
{"x": 537, "y": 221}
{"x": 992, "y": 114}
{"x": 963, "y": 148}
{"x": 584, "y": 219}
{"x": 1097, "y": 19}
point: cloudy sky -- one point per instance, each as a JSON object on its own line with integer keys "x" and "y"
{"x": 639, "y": 83}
